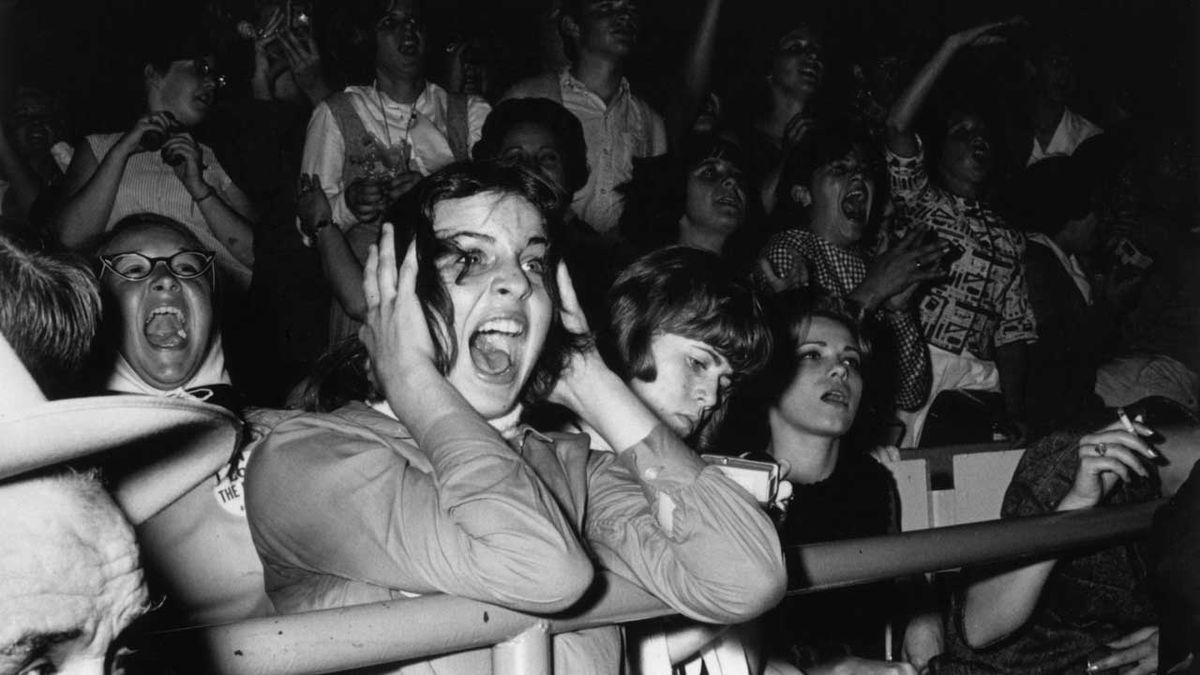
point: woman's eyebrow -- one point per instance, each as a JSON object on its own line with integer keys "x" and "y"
{"x": 467, "y": 234}
{"x": 535, "y": 240}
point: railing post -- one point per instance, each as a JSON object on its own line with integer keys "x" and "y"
{"x": 525, "y": 654}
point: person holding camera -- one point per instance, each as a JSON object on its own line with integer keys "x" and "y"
{"x": 978, "y": 321}
{"x": 157, "y": 166}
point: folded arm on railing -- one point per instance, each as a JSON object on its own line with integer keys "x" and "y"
{"x": 363, "y": 635}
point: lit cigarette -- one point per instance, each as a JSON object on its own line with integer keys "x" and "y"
{"x": 1130, "y": 428}
{"x": 1126, "y": 423}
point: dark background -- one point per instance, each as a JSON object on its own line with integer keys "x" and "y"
{"x": 83, "y": 50}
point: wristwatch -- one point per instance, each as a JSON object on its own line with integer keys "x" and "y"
{"x": 310, "y": 232}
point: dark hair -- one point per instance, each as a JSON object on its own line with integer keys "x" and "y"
{"x": 350, "y": 30}
{"x": 549, "y": 115}
{"x": 339, "y": 376}
{"x": 656, "y": 195}
{"x": 146, "y": 219}
{"x": 49, "y": 310}
{"x": 687, "y": 292}
{"x": 1044, "y": 197}
{"x": 820, "y": 148}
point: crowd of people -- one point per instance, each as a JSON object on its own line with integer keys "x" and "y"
{"x": 376, "y": 324}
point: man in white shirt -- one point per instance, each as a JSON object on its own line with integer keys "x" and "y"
{"x": 1057, "y": 130}
{"x": 599, "y": 35}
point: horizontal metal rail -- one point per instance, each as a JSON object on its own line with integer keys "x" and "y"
{"x": 386, "y": 632}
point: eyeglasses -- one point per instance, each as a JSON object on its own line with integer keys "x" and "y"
{"x": 135, "y": 266}
{"x": 205, "y": 71}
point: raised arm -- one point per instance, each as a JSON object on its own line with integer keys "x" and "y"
{"x": 901, "y": 138}
{"x": 342, "y": 269}
{"x": 657, "y": 514}
{"x": 696, "y": 73}
{"x": 90, "y": 186}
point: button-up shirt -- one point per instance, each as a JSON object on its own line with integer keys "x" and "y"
{"x": 615, "y": 132}
{"x": 984, "y": 302}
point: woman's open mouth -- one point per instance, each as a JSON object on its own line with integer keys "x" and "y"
{"x": 836, "y": 397}
{"x": 165, "y": 327}
{"x": 856, "y": 204}
{"x": 495, "y": 348}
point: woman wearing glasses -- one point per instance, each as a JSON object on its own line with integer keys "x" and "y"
{"x": 158, "y": 282}
{"x": 157, "y": 166}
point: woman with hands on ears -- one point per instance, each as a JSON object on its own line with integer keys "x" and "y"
{"x": 1085, "y": 610}
{"x": 157, "y": 165}
{"x": 419, "y": 478}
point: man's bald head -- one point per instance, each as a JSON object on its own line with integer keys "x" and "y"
{"x": 70, "y": 577}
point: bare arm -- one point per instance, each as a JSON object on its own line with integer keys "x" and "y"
{"x": 696, "y": 73}
{"x": 228, "y": 225}
{"x": 1000, "y": 604}
{"x": 901, "y": 139}
{"x": 90, "y": 186}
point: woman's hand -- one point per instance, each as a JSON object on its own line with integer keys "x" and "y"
{"x": 366, "y": 199}
{"x": 1138, "y": 651}
{"x": 1109, "y": 455}
{"x": 575, "y": 374}
{"x": 908, "y": 263}
{"x": 183, "y": 155}
{"x": 796, "y": 278}
{"x": 312, "y": 206}
{"x": 159, "y": 121}
{"x": 984, "y": 34}
{"x": 304, "y": 60}
{"x": 394, "y": 329}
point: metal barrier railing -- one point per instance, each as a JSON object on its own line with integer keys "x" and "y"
{"x": 386, "y": 632}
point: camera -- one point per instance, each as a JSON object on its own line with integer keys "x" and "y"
{"x": 760, "y": 479}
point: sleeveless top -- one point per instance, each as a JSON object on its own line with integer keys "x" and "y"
{"x": 149, "y": 185}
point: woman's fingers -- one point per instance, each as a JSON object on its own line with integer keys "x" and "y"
{"x": 371, "y": 279}
{"x": 573, "y": 317}
{"x": 387, "y": 273}
{"x": 1118, "y": 436}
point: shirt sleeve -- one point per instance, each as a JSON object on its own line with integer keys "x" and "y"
{"x": 907, "y": 176}
{"x": 324, "y": 154}
{"x": 477, "y": 113}
{"x": 341, "y": 500}
{"x": 660, "y": 517}
{"x": 1017, "y": 322}
{"x": 781, "y": 254}
{"x": 916, "y": 373}
{"x": 657, "y": 130}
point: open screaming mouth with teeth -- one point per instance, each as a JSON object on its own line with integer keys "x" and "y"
{"x": 836, "y": 397}
{"x": 494, "y": 346}
{"x": 166, "y": 328}
{"x": 854, "y": 205}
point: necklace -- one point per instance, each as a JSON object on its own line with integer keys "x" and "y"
{"x": 405, "y": 147}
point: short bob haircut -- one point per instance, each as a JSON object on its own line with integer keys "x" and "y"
{"x": 656, "y": 196}
{"x": 547, "y": 114}
{"x": 339, "y": 376}
{"x": 49, "y": 310}
{"x": 687, "y": 292}
{"x": 819, "y": 149}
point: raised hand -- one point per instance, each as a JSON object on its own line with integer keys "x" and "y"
{"x": 575, "y": 321}
{"x": 985, "y": 34}
{"x": 394, "y": 329}
{"x": 901, "y": 267}
{"x": 182, "y": 153}
{"x": 1109, "y": 455}
{"x": 156, "y": 122}
{"x": 312, "y": 206}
